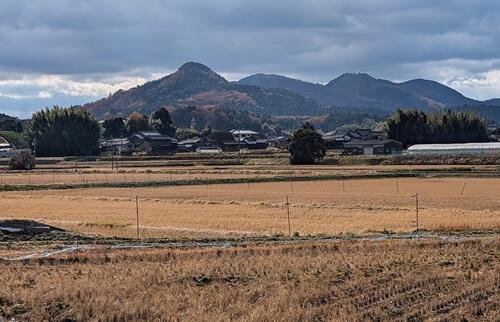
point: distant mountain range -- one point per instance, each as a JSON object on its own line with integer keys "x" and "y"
{"x": 362, "y": 90}
{"x": 194, "y": 84}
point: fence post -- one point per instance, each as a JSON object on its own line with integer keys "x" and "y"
{"x": 416, "y": 210}
{"x": 463, "y": 189}
{"x": 397, "y": 186}
{"x": 137, "y": 215}
{"x": 288, "y": 215}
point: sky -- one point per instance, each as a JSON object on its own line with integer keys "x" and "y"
{"x": 69, "y": 52}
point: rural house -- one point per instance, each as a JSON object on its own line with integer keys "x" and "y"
{"x": 220, "y": 139}
{"x": 120, "y": 146}
{"x": 240, "y": 135}
{"x": 279, "y": 142}
{"x": 189, "y": 145}
{"x": 6, "y": 148}
{"x": 336, "y": 139}
{"x": 249, "y": 139}
{"x": 153, "y": 143}
{"x": 372, "y": 147}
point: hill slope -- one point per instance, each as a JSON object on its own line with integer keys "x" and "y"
{"x": 196, "y": 84}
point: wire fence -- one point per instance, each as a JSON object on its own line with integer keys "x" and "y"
{"x": 322, "y": 207}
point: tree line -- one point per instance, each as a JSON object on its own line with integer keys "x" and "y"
{"x": 418, "y": 127}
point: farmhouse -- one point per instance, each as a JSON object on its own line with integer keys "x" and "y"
{"x": 455, "y": 148}
{"x": 249, "y": 139}
{"x": 279, "y": 142}
{"x": 336, "y": 139}
{"x": 6, "y": 148}
{"x": 189, "y": 145}
{"x": 220, "y": 139}
{"x": 215, "y": 141}
{"x": 240, "y": 135}
{"x": 120, "y": 146}
{"x": 371, "y": 147}
{"x": 153, "y": 143}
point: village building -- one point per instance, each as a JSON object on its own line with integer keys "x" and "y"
{"x": 249, "y": 139}
{"x": 279, "y": 142}
{"x": 189, "y": 145}
{"x": 213, "y": 142}
{"x": 7, "y": 149}
{"x": 117, "y": 146}
{"x": 373, "y": 147}
{"x": 153, "y": 143}
{"x": 336, "y": 139}
{"x": 240, "y": 135}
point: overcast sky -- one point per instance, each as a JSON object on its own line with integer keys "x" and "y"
{"x": 71, "y": 52}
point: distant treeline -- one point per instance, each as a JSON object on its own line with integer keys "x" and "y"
{"x": 417, "y": 127}
{"x": 9, "y": 123}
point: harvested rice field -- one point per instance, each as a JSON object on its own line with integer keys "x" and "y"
{"x": 93, "y": 174}
{"x": 259, "y": 209}
{"x": 343, "y": 281}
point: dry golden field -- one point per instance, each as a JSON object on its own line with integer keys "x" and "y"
{"x": 344, "y": 281}
{"x": 98, "y": 174}
{"x": 320, "y": 207}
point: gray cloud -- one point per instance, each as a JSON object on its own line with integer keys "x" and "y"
{"x": 94, "y": 40}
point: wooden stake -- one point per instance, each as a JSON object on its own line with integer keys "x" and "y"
{"x": 397, "y": 186}
{"x": 288, "y": 214}
{"x": 463, "y": 189}
{"x": 416, "y": 210}
{"x": 137, "y": 215}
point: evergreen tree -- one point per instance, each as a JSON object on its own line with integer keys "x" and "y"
{"x": 161, "y": 122}
{"x": 415, "y": 127}
{"x": 114, "y": 128}
{"x": 307, "y": 146}
{"x": 61, "y": 131}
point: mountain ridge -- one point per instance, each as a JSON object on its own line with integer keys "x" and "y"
{"x": 196, "y": 84}
{"x": 363, "y": 90}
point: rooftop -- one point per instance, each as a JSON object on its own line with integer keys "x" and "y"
{"x": 243, "y": 132}
{"x": 371, "y": 142}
